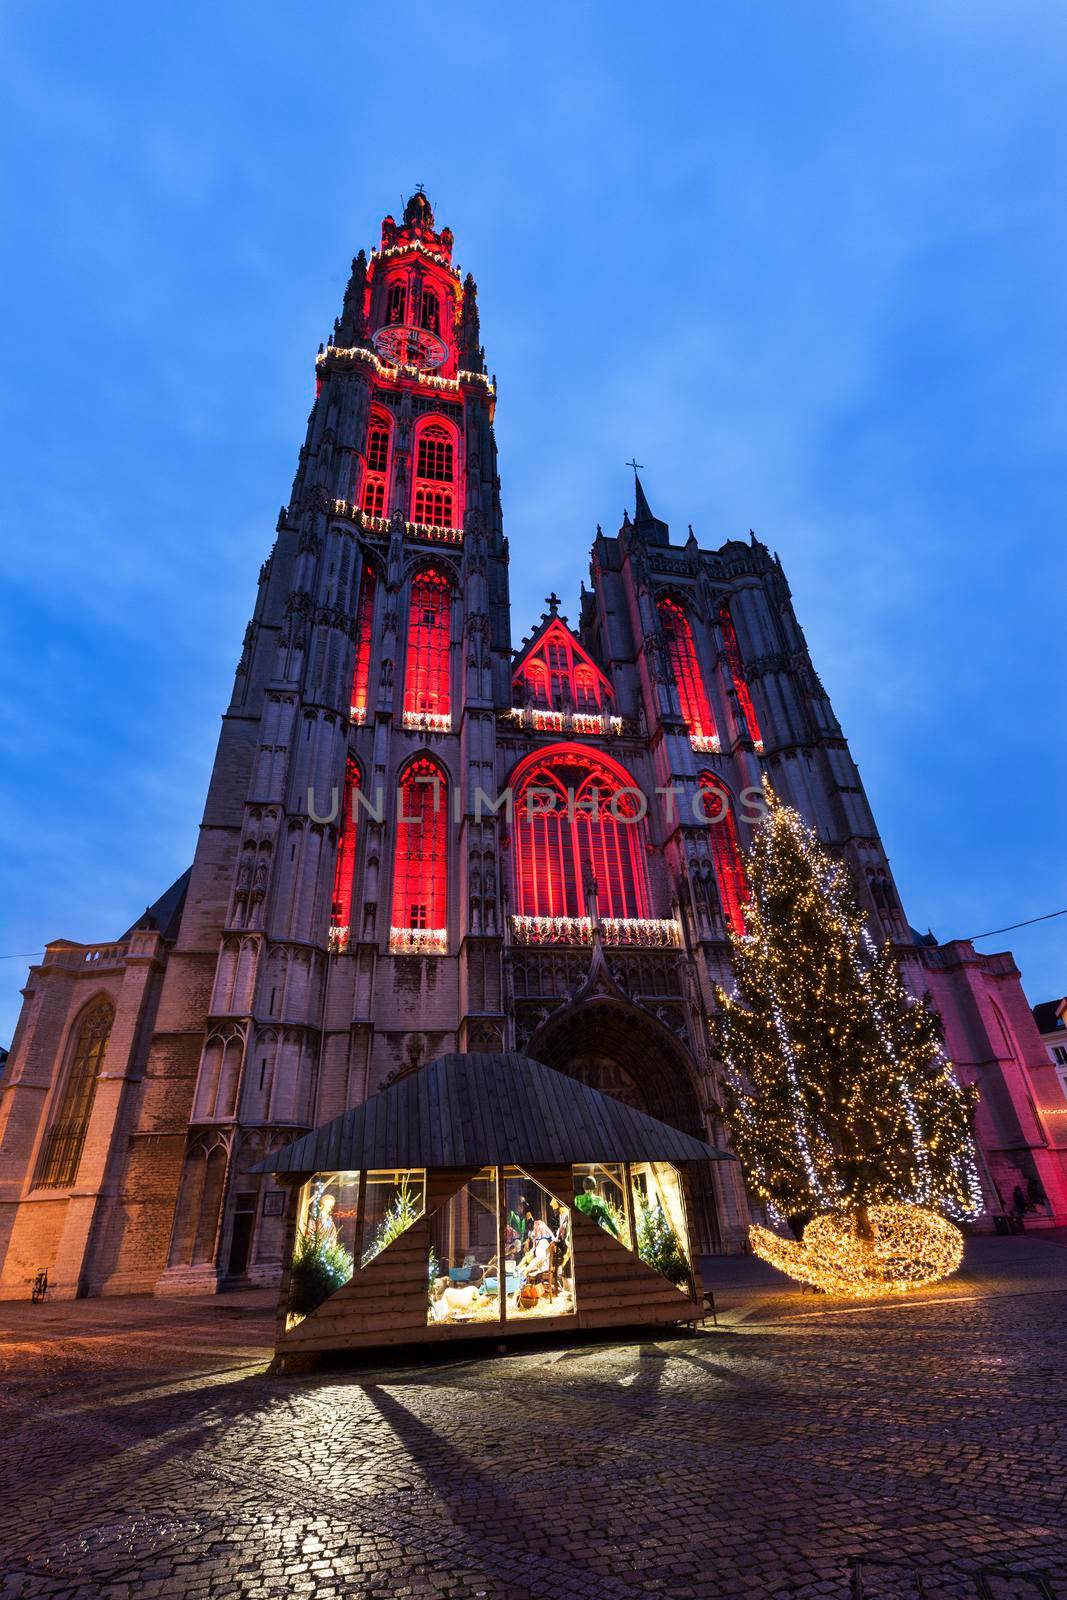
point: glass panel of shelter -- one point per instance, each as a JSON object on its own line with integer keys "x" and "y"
{"x": 342, "y": 1217}
{"x": 393, "y": 1200}
{"x": 326, "y": 1240}
{"x": 501, "y": 1254}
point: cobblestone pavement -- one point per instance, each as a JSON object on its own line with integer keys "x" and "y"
{"x": 805, "y": 1448}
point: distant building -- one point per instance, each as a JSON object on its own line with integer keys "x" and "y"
{"x": 317, "y": 952}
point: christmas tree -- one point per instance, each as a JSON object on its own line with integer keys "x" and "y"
{"x": 840, "y": 1096}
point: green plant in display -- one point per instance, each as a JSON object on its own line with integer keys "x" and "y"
{"x": 399, "y": 1217}
{"x": 657, "y": 1242}
{"x": 319, "y": 1267}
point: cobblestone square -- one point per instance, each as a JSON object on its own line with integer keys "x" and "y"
{"x": 805, "y": 1447}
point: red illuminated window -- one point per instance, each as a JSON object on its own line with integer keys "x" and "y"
{"x": 574, "y": 823}
{"x": 733, "y": 659}
{"x": 435, "y": 466}
{"x": 538, "y": 682}
{"x": 431, "y": 311}
{"x": 558, "y": 674}
{"x": 420, "y": 880}
{"x": 368, "y": 585}
{"x": 429, "y": 631}
{"x": 725, "y": 850}
{"x": 681, "y": 652}
{"x": 341, "y": 907}
{"x": 435, "y": 458}
{"x": 378, "y": 448}
{"x": 433, "y": 507}
{"x": 373, "y": 501}
{"x": 585, "y": 695}
{"x": 396, "y": 303}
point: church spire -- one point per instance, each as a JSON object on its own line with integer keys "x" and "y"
{"x": 646, "y": 523}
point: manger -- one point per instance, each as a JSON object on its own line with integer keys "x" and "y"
{"x": 484, "y": 1194}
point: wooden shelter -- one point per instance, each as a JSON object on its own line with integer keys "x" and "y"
{"x": 484, "y": 1194}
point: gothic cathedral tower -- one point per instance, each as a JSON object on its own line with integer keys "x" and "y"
{"x": 416, "y": 841}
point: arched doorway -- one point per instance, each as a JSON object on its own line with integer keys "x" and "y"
{"x": 622, "y": 1050}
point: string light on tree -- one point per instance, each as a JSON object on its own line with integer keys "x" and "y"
{"x": 839, "y": 1095}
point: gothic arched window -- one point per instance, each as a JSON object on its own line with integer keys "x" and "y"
{"x": 368, "y": 587}
{"x": 396, "y": 303}
{"x": 737, "y": 673}
{"x": 574, "y": 819}
{"x": 537, "y": 679}
{"x": 431, "y": 311}
{"x": 58, "y": 1164}
{"x": 433, "y": 502}
{"x": 377, "y": 474}
{"x": 344, "y": 873}
{"x": 426, "y": 688}
{"x": 725, "y": 850}
{"x": 585, "y": 695}
{"x": 420, "y": 873}
{"x": 682, "y": 655}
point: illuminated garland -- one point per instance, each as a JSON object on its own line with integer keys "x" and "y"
{"x": 705, "y": 743}
{"x": 650, "y": 932}
{"x": 392, "y": 371}
{"x": 338, "y": 938}
{"x": 427, "y": 721}
{"x": 544, "y": 721}
{"x": 909, "y": 1246}
{"x": 406, "y": 249}
{"x": 418, "y": 941}
{"x": 414, "y": 530}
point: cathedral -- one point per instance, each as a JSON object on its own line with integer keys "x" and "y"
{"x": 418, "y": 839}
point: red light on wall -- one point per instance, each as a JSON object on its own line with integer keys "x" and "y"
{"x": 725, "y": 850}
{"x": 368, "y": 585}
{"x": 426, "y": 687}
{"x": 681, "y": 652}
{"x": 420, "y": 880}
{"x": 733, "y": 657}
{"x": 341, "y": 908}
{"x": 561, "y": 837}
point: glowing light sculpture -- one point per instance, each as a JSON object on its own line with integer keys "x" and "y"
{"x": 908, "y": 1246}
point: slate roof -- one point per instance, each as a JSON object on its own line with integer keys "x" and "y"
{"x": 486, "y": 1110}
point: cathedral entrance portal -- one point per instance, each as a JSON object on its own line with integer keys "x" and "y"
{"x": 619, "y": 1050}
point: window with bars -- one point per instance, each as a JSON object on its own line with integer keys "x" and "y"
{"x": 685, "y": 667}
{"x": 725, "y": 850}
{"x": 420, "y": 879}
{"x": 396, "y": 303}
{"x": 585, "y": 695}
{"x": 341, "y": 906}
{"x": 61, "y": 1155}
{"x": 426, "y": 688}
{"x": 368, "y": 588}
{"x": 578, "y": 823}
{"x": 737, "y": 673}
{"x": 431, "y": 311}
{"x": 378, "y": 448}
{"x": 433, "y": 507}
{"x": 373, "y": 497}
{"x": 436, "y": 457}
{"x": 557, "y": 666}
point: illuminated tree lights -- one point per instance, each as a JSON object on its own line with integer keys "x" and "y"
{"x": 840, "y": 1098}
{"x": 908, "y": 1246}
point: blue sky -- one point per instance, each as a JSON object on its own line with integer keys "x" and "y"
{"x": 806, "y": 261}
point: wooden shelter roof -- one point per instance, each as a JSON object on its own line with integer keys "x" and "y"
{"x": 486, "y": 1110}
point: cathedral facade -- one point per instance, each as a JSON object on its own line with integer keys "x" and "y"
{"x": 418, "y": 840}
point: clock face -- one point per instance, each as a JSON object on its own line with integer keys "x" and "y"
{"x": 410, "y": 347}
